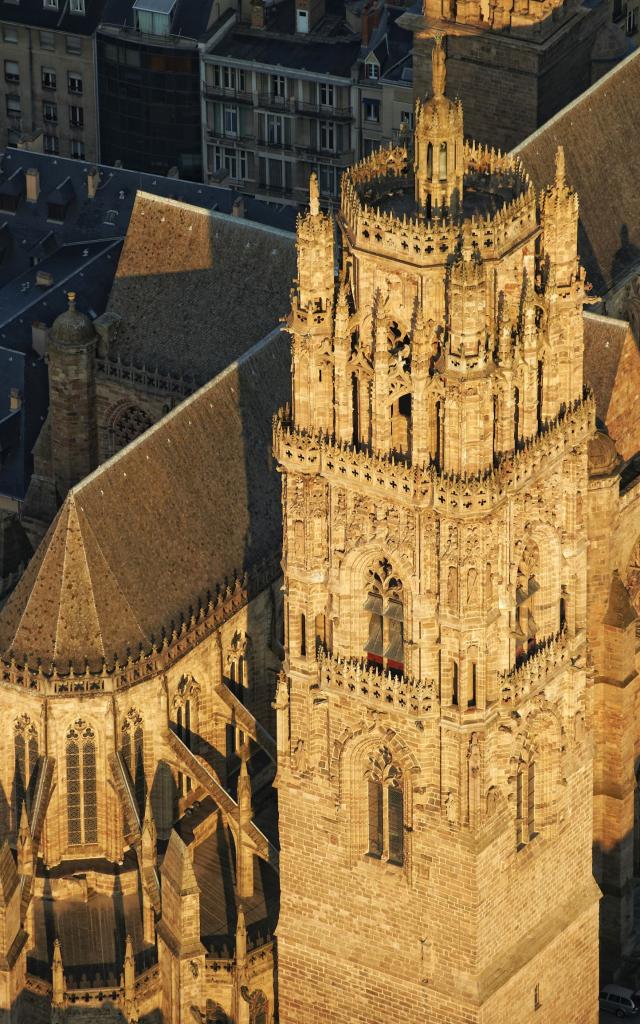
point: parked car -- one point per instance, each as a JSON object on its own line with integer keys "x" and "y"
{"x": 619, "y": 1001}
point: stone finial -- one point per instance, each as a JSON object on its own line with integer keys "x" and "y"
{"x": 58, "y": 975}
{"x": 560, "y": 168}
{"x": 71, "y": 298}
{"x": 244, "y": 787}
{"x": 129, "y": 971}
{"x": 25, "y": 844}
{"x": 314, "y": 195}
{"x": 438, "y": 67}
{"x": 241, "y": 937}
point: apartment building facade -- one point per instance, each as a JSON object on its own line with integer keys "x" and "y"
{"x": 274, "y": 109}
{"x": 49, "y": 75}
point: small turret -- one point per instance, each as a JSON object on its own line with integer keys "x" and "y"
{"x": 438, "y": 145}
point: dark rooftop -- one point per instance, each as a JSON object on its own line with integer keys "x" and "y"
{"x": 34, "y": 12}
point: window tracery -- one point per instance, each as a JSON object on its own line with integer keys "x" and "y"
{"x": 384, "y": 603}
{"x": 82, "y": 808}
{"x": 133, "y": 753}
{"x": 26, "y": 756}
{"x": 185, "y": 711}
{"x": 526, "y": 824}
{"x": 385, "y": 802}
{"x": 126, "y": 425}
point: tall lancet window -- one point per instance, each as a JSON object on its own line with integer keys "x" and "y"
{"x": 82, "y": 806}
{"x": 527, "y": 587}
{"x": 384, "y": 603}
{"x": 25, "y": 745}
{"x": 385, "y": 802}
{"x": 133, "y": 753}
{"x": 526, "y": 800}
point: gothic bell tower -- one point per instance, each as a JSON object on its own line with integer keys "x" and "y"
{"x": 434, "y": 770}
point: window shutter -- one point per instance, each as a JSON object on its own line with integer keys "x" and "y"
{"x": 396, "y": 825}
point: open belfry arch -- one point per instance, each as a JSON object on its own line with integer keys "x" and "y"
{"x": 434, "y": 773}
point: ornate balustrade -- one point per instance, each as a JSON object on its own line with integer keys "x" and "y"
{"x": 431, "y": 242}
{"x": 425, "y": 486}
{"x": 378, "y": 688}
{"x": 175, "y": 641}
{"x": 143, "y": 377}
{"x": 550, "y": 657}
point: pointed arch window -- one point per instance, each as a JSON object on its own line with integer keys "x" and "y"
{"x": 82, "y": 807}
{"x": 385, "y": 806}
{"x": 133, "y": 753}
{"x": 526, "y": 800}
{"x": 25, "y": 741}
{"x": 384, "y": 603}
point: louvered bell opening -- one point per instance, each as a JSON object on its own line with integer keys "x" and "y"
{"x": 521, "y": 595}
{"x": 394, "y": 611}
{"x": 373, "y": 604}
{"x": 533, "y": 626}
{"x": 532, "y": 586}
{"x": 395, "y": 649}
{"x": 396, "y": 826}
{"x": 374, "y": 641}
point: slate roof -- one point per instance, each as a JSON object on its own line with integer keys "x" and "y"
{"x": 196, "y": 289}
{"x": 192, "y": 501}
{"x": 324, "y": 55}
{"x": 600, "y": 132}
{"x": 34, "y": 12}
{"x": 604, "y": 338}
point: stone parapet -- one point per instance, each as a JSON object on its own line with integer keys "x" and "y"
{"x": 430, "y": 243}
{"x": 550, "y": 657}
{"x": 378, "y": 689}
{"x": 424, "y": 486}
{"x": 175, "y": 641}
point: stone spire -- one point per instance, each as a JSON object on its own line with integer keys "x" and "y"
{"x": 438, "y": 68}
{"x": 244, "y": 873}
{"x": 314, "y": 195}
{"x": 57, "y": 970}
{"x": 129, "y": 984}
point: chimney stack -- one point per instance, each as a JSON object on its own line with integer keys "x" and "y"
{"x": 33, "y": 184}
{"x": 93, "y": 182}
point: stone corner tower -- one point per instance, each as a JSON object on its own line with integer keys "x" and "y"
{"x": 434, "y": 770}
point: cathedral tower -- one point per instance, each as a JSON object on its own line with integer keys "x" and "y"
{"x": 434, "y": 772}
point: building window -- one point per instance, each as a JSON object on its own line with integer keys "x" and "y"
{"x": 47, "y": 42}
{"x": 406, "y": 118}
{"x": 52, "y": 5}
{"x": 328, "y": 179}
{"x": 77, "y": 149}
{"x": 133, "y": 754}
{"x": 327, "y": 95}
{"x": 234, "y": 78}
{"x": 526, "y": 800}
{"x": 50, "y": 144}
{"x": 73, "y": 44}
{"x": 233, "y": 161}
{"x": 11, "y": 72}
{"x": 25, "y": 745}
{"x": 48, "y": 77}
{"x": 82, "y": 807}
{"x": 76, "y": 6}
{"x": 127, "y": 424}
{"x": 9, "y": 35}
{"x": 370, "y": 146}
{"x": 372, "y": 110}
{"x": 278, "y": 86}
{"x": 230, "y": 120}
{"x": 372, "y": 69}
{"x": 13, "y": 105}
{"x": 76, "y": 117}
{"x": 74, "y": 82}
{"x": 632, "y": 21}
{"x": 385, "y": 809}
{"x": 275, "y": 129}
{"x": 50, "y": 112}
{"x": 328, "y": 136}
{"x": 384, "y": 603}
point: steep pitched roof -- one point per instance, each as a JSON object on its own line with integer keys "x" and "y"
{"x": 600, "y": 132}
{"x": 620, "y": 612}
{"x": 177, "y": 867}
{"x": 603, "y": 341}
{"x": 189, "y": 503}
{"x": 196, "y": 288}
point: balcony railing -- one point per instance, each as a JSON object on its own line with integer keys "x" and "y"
{"x": 325, "y": 112}
{"x": 219, "y": 92}
{"x": 224, "y": 139}
{"x": 283, "y": 104}
{"x": 375, "y": 687}
{"x": 280, "y": 147}
{"x": 312, "y": 151}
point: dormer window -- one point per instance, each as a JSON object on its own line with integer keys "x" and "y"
{"x": 302, "y": 22}
{"x": 372, "y": 68}
{"x": 154, "y": 16}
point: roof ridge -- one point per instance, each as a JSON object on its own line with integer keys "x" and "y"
{"x": 207, "y": 211}
{"x": 134, "y": 618}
